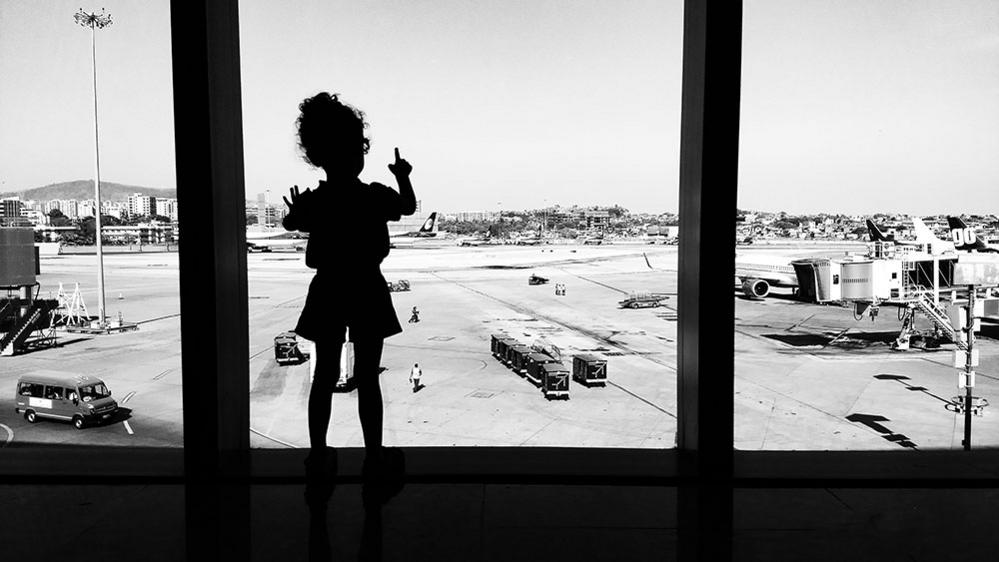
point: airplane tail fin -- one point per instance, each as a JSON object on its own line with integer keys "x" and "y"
{"x": 923, "y": 232}
{"x": 429, "y": 225}
{"x": 875, "y": 233}
{"x": 964, "y": 237}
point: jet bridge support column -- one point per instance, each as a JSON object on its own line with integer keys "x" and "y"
{"x": 936, "y": 281}
{"x": 969, "y": 364}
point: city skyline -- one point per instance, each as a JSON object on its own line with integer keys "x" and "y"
{"x": 847, "y": 108}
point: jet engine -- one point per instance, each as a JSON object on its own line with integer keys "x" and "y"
{"x": 755, "y": 288}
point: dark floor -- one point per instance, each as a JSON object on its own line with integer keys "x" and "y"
{"x": 471, "y": 522}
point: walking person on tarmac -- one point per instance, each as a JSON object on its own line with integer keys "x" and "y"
{"x": 348, "y": 290}
{"x": 414, "y": 377}
{"x": 415, "y": 317}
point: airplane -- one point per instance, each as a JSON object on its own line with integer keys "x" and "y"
{"x": 757, "y": 273}
{"x": 479, "y": 240}
{"x": 415, "y": 237}
{"x": 966, "y": 239}
{"x": 272, "y": 239}
{"x": 428, "y": 230}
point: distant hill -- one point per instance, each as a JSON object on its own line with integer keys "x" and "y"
{"x": 84, "y": 189}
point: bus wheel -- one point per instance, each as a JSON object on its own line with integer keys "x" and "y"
{"x": 78, "y": 422}
{"x": 30, "y": 416}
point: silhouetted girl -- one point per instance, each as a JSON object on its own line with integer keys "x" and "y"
{"x": 348, "y": 239}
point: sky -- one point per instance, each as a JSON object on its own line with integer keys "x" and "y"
{"x": 855, "y": 106}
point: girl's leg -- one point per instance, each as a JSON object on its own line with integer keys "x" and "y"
{"x": 367, "y": 367}
{"x": 321, "y": 395}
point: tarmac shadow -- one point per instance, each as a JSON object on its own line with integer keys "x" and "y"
{"x": 270, "y": 382}
{"x": 873, "y": 421}
{"x": 120, "y": 415}
{"x": 801, "y": 340}
{"x": 901, "y": 379}
{"x": 990, "y": 331}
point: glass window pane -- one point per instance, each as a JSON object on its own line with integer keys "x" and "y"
{"x": 127, "y": 364}
{"x": 544, "y": 143}
{"x": 867, "y": 130}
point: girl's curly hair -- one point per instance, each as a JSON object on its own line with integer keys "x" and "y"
{"x": 328, "y": 126}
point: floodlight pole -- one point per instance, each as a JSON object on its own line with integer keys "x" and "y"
{"x": 96, "y": 21}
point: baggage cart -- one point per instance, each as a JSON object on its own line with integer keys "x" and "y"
{"x": 502, "y": 347}
{"x": 497, "y": 343}
{"x": 536, "y": 280}
{"x": 516, "y": 353}
{"x": 533, "y": 368}
{"x": 524, "y": 360}
{"x": 286, "y": 350}
{"x": 398, "y": 286}
{"x": 589, "y": 370}
{"x": 555, "y": 380}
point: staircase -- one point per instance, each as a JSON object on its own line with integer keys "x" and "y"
{"x": 37, "y": 317}
{"x": 923, "y": 300}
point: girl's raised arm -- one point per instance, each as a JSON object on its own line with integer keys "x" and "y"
{"x": 401, "y": 170}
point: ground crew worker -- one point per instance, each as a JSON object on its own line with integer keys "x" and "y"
{"x": 415, "y": 317}
{"x": 414, "y": 377}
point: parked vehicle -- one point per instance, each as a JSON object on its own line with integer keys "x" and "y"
{"x": 79, "y": 399}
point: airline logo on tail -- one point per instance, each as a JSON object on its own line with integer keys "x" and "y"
{"x": 429, "y": 225}
{"x": 966, "y": 239}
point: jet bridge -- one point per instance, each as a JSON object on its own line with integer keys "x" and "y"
{"x": 915, "y": 281}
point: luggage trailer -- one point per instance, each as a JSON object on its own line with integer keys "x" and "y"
{"x": 533, "y": 369}
{"x": 589, "y": 370}
{"x": 515, "y": 355}
{"x": 554, "y": 380}
{"x": 287, "y": 350}
{"x": 500, "y": 343}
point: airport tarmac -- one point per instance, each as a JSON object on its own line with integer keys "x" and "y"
{"x": 794, "y": 389}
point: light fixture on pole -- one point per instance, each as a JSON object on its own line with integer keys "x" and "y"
{"x": 96, "y": 21}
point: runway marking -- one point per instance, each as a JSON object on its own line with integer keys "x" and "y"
{"x": 622, "y": 291}
{"x": 289, "y": 301}
{"x": 128, "y": 397}
{"x": 262, "y": 351}
{"x": 595, "y": 282}
{"x": 274, "y": 439}
{"x": 128, "y": 428}
{"x": 796, "y": 324}
{"x": 642, "y": 399}
{"x": 10, "y": 434}
{"x": 436, "y": 348}
{"x": 168, "y": 316}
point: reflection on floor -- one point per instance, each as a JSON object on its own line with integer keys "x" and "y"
{"x": 476, "y": 522}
